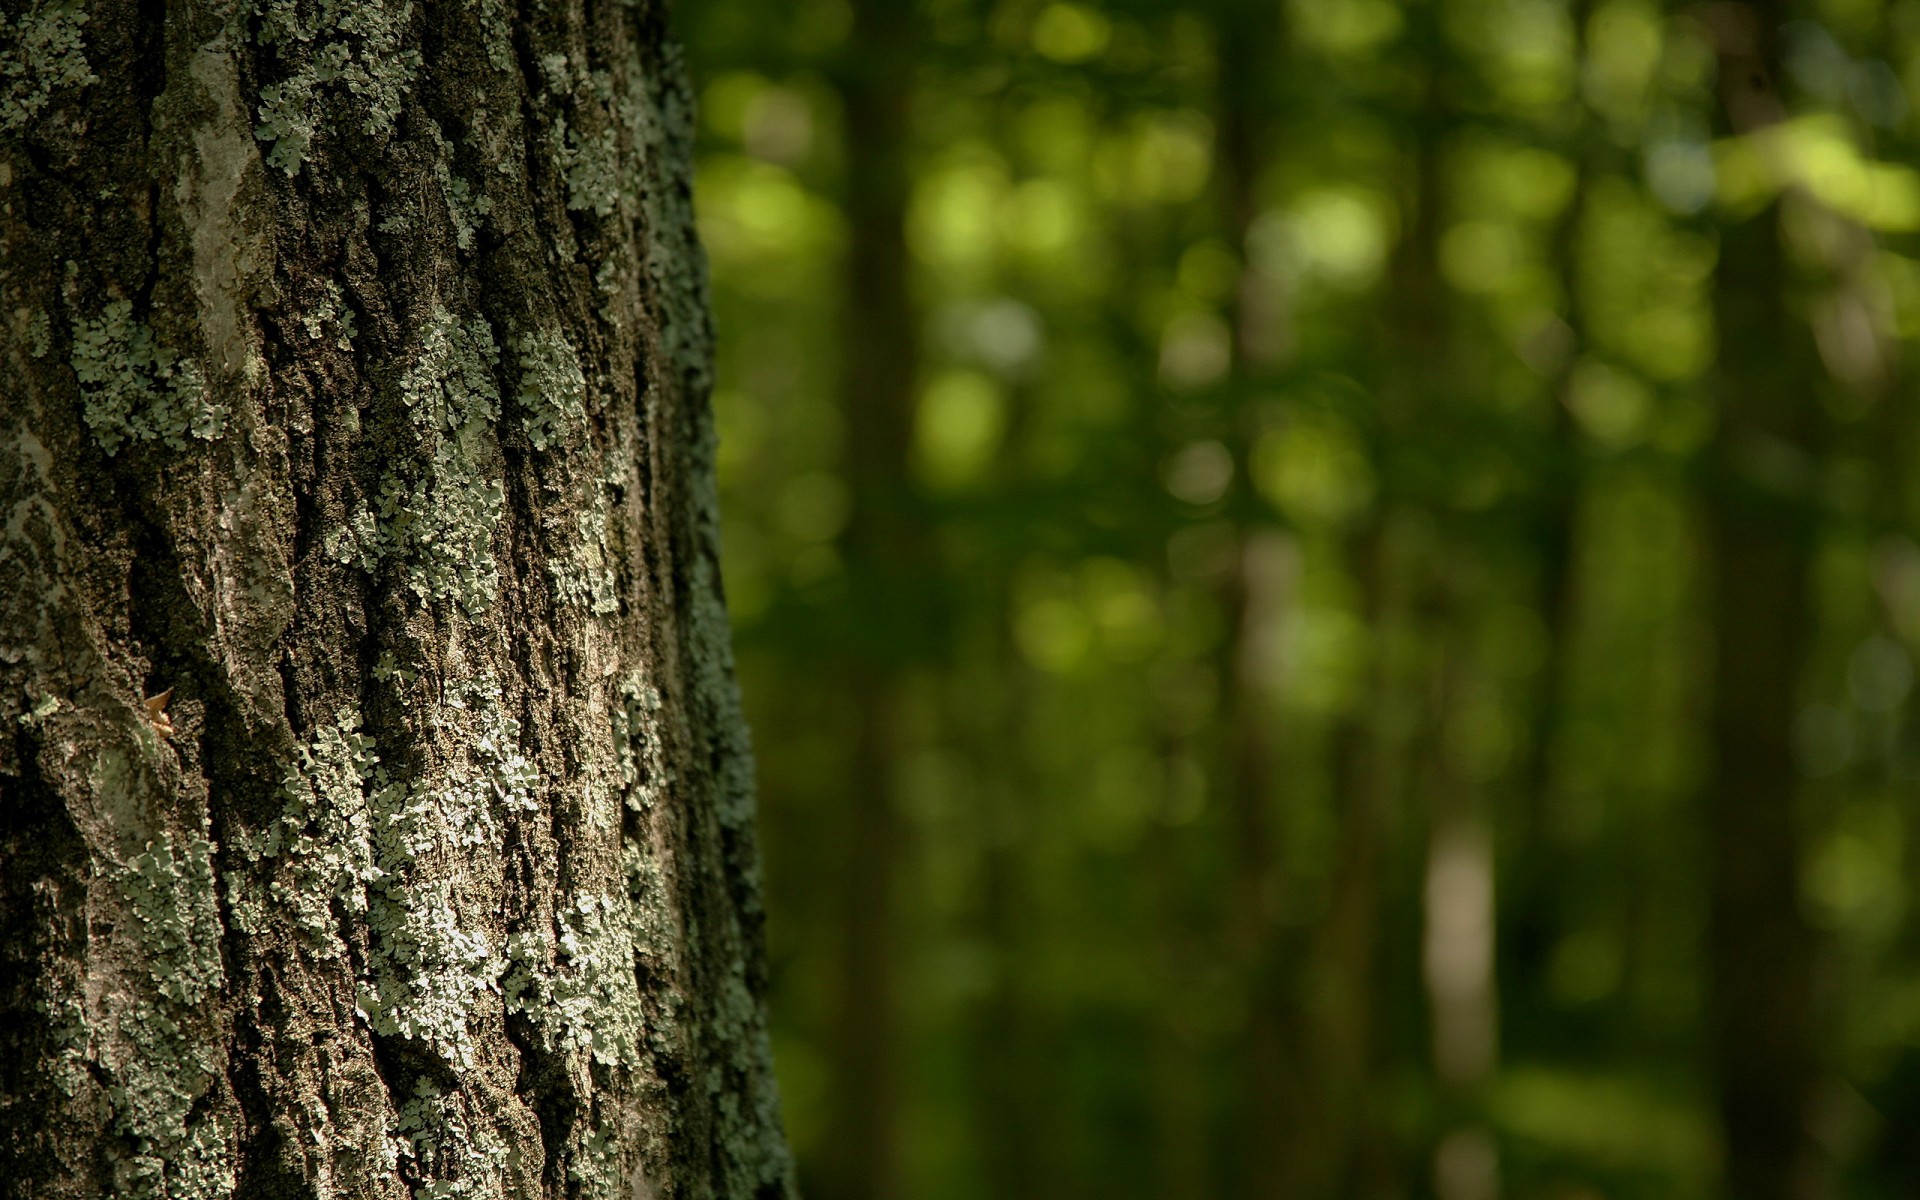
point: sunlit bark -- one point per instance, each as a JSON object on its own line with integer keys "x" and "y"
{"x": 377, "y": 816}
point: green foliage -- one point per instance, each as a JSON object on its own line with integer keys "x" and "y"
{"x": 1342, "y": 424}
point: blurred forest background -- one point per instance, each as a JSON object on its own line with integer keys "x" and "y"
{"x": 1328, "y": 589}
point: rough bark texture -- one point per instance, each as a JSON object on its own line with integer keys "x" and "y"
{"x": 377, "y": 812}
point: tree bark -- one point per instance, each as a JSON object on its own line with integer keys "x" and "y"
{"x": 378, "y": 814}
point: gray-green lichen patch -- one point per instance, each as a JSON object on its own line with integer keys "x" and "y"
{"x": 441, "y": 524}
{"x": 638, "y": 747}
{"x": 159, "y": 1068}
{"x": 455, "y": 1155}
{"x": 584, "y": 578}
{"x": 589, "y": 159}
{"x": 174, "y": 1159}
{"x": 584, "y": 1000}
{"x": 596, "y": 1168}
{"x": 41, "y": 709}
{"x": 552, "y": 394}
{"x": 134, "y": 389}
{"x": 353, "y": 842}
{"x": 656, "y": 939}
{"x": 41, "y": 51}
{"x": 172, "y": 896}
{"x": 591, "y": 166}
{"x": 331, "y": 318}
{"x": 437, "y": 520}
{"x": 466, "y": 207}
{"x": 496, "y": 30}
{"x": 323, "y": 837}
{"x": 577, "y": 981}
{"x": 334, "y": 51}
{"x": 433, "y": 962}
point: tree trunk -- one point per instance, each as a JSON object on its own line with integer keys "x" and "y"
{"x": 880, "y": 344}
{"x": 1252, "y": 597}
{"x": 378, "y": 815}
{"x": 1760, "y": 529}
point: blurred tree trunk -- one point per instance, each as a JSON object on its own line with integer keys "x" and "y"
{"x": 1342, "y": 1009}
{"x": 1249, "y": 41}
{"x": 1179, "y": 1045}
{"x": 1535, "y": 879}
{"x": 1760, "y": 529}
{"x": 1017, "y": 1079}
{"x": 1457, "y": 950}
{"x": 880, "y": 334}
{"x": 378, "y": 814}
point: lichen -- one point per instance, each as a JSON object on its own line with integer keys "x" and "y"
{"x": 352, "y": 841}
{"x": 194, "y": 1163}
{"x": 442, "y": 524}
{"x": 437, "y": 520}
{"x": 496, "y": 30}
{"x": 359, "y": 542}
{"x": 133, "y": 388}
{"x": 583, "y": 999}
{"x": 429, "y": 971}
{"x": 610, "y": 282}
{"x": 323, "y": 835}
{"x": 656, "y": 940}
{"x": 173, "y": 899}
{"x": 40, "y": 335}
{"x": 42, "y": 708}
{"x": 637, "y": 744}
{"x": 584, "y": 578}
{"x": 590, "y": 163}
{"x": 331, "y": 314}
{"x": 465, "y": 207}
{"x": 596, "y": 1168}
{"x": 454, "y": 1155}
{"x": 41, "y": 52}
{"x": 552, "y": 394}
{"x": 159, "y": 1070}
{"x": 576, "y": 981}
{"x": 332, "y": 50}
